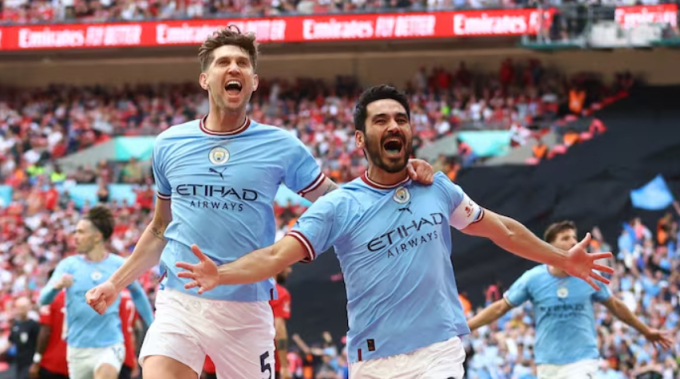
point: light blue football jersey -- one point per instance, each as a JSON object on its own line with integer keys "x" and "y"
{"x": 394, "y": 247}
{"x": 222, "y": 188}
{"x": 85, "y": 327}
{"x": 563, "y": 310}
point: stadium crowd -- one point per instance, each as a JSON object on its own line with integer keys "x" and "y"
{"x": 42, "y": 11}
{"x": 39, "y": 126}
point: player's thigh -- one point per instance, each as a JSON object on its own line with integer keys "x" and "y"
{"x": 109, "y": 361}
{"x": 162, "y": 367}
{"x": 174, "y": 334}
{"x": 249, "y": 329}
{"x": 81, "y": 362}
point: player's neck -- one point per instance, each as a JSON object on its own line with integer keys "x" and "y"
{"x": 554, "y": 271}
{"x": 221, "y": 121}
{"x": 385, "y": 178}
{"x": 97, "y": 254}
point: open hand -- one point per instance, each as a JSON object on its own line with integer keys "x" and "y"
{"x": 65, "y": 281}
{"x": 582, "y": 265}
{"x": 420, "y": 171}
{"x": 204, "y": 274}
{"x": 660, "y": 338}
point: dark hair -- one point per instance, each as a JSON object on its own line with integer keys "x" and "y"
{"x": 231, "y": 35}
{"x": 374, "y": 94}
{"x": 557, "y": 228}
{"x": 102, "y": 219}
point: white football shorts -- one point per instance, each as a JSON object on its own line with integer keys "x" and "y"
{"x": 238, "y": 336}
{"x": 442, "y": 360}
{"x": 585, "y": 369}
{"x": 84, "y": 361}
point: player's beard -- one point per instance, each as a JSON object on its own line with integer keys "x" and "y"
{"x": 374, "y": 149}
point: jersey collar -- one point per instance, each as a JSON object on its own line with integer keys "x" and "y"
{"x": 377, "y": 185}
{"x": 241, "y": 129}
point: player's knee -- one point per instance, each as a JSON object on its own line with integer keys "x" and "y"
{"x": 160, "y": 367}
{"x": 106, "y": 371}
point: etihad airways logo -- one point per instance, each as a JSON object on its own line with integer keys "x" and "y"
{"x": 216, "y": 197}
{"x": 408, "y": 236}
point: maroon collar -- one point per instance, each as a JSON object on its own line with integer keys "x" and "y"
{"x": 242, "y": 128}
{"x": 374, "y": 184}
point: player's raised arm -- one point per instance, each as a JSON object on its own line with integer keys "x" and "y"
{"x": 59, "y": 280}
{"x": 489, "y": 314}
{"x": 517, "y": 239}
{"x": 254, "y": 267}
{"x": 623, "y": 313}
{"x": 147, "y": 254}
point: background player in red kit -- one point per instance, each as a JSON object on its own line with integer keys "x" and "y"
{"x": 49, "y": 361}
{"x": 281, "y": 310}
{"x": 128, "y": 315}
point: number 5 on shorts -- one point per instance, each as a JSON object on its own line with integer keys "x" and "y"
{"x": 265, "y": 367}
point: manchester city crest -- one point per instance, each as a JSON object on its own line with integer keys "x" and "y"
{"x": 218, "y": 155}
{"x": 96, "y": 275}
{"x": 401, "y": 195}
{"x": 562, "y": 292}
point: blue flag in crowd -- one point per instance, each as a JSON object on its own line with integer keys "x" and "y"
{"x": 653, "y": 196}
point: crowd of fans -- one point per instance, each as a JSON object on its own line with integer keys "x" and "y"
{"x": 39, "y": 126}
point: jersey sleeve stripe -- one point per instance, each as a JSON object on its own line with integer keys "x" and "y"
{"x": 305, "y": 242}
{"x": 314, "y": 185}
{"x": 505, "y": 297}
{"x": 163, "y": 196}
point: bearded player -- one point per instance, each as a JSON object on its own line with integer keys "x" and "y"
{"x": 216, "y": 181}
{"x": 562, "y": 303}
{"x": 393, "y": 241}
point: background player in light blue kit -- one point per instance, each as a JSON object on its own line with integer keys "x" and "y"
{"x": 393, "y": 240}
{"x": 216, "y": 181}
{"x": 566, "y": 341}
{"x": 95, "y": 346}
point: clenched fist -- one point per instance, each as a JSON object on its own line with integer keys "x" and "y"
{"x": 101, "y": 297}
{"x": 66, "y": 281}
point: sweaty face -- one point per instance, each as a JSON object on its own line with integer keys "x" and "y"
{"x": 388, "y": 135}
{"x": 87, "y": 236}
{"x": 230, "y": 79}
{"x": 565, "y": 240}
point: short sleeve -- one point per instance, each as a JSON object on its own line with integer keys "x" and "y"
{"x": 462, "y": 210}
{"x": 319, "y": 227}
{"x": 518, "y": 293}
{"x": 603, "y": 294}
{"x": 302, "y": 174}
{"x": 163, "y": 188}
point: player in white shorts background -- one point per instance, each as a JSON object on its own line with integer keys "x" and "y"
{"x": 566, "y": 339}
{"x": 95, "y": 347}
{"x": 216, "y": 181}
{"x": 393, "y": 240}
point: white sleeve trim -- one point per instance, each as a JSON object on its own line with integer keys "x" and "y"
{"x": 466, "y": 213}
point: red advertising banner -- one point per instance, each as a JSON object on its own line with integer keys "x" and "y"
{"x": 285, "y": 29}
{"x": 630, "y": 17}
{"x": 511, "y": 22}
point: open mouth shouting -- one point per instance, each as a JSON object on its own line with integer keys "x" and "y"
{"x": 393, "y": 147}
{"x": 233, "y": 87}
